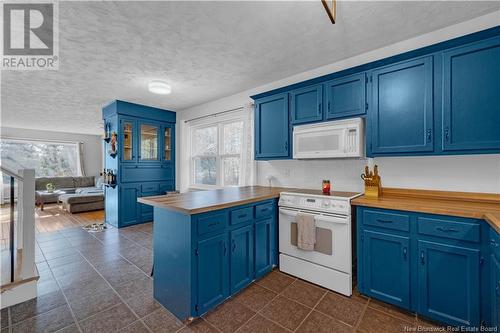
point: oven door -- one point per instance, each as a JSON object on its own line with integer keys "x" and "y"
{"x": 333, "y": 239}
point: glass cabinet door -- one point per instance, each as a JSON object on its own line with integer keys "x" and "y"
{"x": 128, "y": 145}
{"x": 149, "y": 142}
{"x": 167, "y": 144}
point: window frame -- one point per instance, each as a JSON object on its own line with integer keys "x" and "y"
{"x": 76, "y": 144}
{"x": 219, "y": 156}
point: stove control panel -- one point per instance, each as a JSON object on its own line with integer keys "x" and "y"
{"x": 316, "y": 202}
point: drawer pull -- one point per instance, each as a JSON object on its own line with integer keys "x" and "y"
{"x": 446, "y": 229}
{"x": 242, "y": 216}
{"x": 384, "y": 221}
{"x": 264, "y": 210}
{"x": 211, "y": 224}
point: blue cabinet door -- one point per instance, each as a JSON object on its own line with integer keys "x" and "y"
{"x": 272, "y": 135}
{"x": 264, "y": 244}
{"x": 495, "y": 291}
{"x": 242, "y": 269}
{"x": 471, "y": 97}
{"x": 448, "y": 283}
{"x": 306, "y": 104}
{"x": 212, "y": 272}
{"x": 129, "y": 207}
{"x": 346, "y": 96}
{"x": 402, "y": 108}
{"x": 386, "y": 267}
{"x": 128, "y": 140}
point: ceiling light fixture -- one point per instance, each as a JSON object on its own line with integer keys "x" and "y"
{"x": 159, "y": 87}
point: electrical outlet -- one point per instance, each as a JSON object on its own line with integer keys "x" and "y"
{"x": 286, "y": 172}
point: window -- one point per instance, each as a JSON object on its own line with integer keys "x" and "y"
{"x": 49, "y": 159}
{"x": 217, "y": 154}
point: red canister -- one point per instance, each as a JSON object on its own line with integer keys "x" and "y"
{"x": 326, "y": 186}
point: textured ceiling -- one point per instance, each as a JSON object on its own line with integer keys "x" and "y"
{"x": 206, "y": 50}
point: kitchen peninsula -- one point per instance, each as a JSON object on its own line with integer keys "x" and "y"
{"x": 208, "y": 245}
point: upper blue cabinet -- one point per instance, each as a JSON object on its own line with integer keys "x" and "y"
{"x": 346, "y": 96}
{"x": 272, "y": 135}
{"x": 306, "y": 104}
{"x": 471, "y": 97}
{"x": 402, "y": 108}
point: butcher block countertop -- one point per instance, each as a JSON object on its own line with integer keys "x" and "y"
{"x": 473, "y": 205}
{"x": 204, "y": 201}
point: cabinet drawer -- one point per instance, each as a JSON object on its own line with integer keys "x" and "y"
{"x": 386, "y": 220}
{"x": 264, "y": 210}
{"x": 212, "y": 223}
{"x": 448, "y": 229}
{"x": 151, "y": 187}
{"x": 241, "y": 215}
{"x": 495, "y": 243}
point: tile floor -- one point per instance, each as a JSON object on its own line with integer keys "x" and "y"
{"x": 100, "y": 283}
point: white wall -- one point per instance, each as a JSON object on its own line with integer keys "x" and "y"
{"x": 479, "y": 173}
{"x": 92, "y": 144}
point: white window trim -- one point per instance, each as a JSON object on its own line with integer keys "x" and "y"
{"x": 219, "y": 122}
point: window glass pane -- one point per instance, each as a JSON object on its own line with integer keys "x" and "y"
{"x": 149, "y": 142}
{"x": 205, "y": 171}
{"x": 231, "y": 171}
{"x": 233, "y": 133}
{"x": 168, "y": 146}
{"x": 48, "y": 159}
{"x": 127, "y": 141}
{"x": 205, "y": 141}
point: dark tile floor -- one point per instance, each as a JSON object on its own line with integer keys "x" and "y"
{"x": 100, "y": 283}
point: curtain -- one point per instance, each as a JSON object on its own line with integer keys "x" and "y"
{"x": 248, "y": 151}
{"x": 80, "y": 158}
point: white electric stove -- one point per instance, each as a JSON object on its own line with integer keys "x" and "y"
{"x": 330, "y": 263}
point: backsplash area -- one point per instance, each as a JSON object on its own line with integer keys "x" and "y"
{"x": 468, "y": 173}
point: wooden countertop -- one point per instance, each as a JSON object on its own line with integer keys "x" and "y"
{"x": 204, "y": 201}
{"x": 464, "y": 204}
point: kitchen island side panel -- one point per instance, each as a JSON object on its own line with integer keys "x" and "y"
{"x": 173, "y": 265}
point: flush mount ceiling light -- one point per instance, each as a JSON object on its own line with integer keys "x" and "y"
{"x": 331, "y": 9}
{"x": 159, "y": 87}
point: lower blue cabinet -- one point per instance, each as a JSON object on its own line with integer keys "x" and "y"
{"x": 495, "y": 291}
{"x": 387, "y": 267}
{"x": 264, "y": 244}
{"x": 212, "y": 272}
{"x": 129, "y": 207}
{"x": 242, "y": 256}
{"x": 448, "y": 283}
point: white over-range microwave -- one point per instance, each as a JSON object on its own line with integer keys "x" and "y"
{"x": 333, "y": 139}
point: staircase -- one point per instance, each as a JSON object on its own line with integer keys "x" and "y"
{"x": 18, "y": 278}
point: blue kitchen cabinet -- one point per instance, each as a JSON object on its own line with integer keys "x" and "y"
{"x": 272, "y": 131}
{"x": 346, "y": 96}
{"x": 264, "y": 247}
{"x": 494, "y": 290}
{"x": 145, "y": 158}
{"x": 306, "y": 104}
{"x": 129, "y": 207}
{"x": 212, "y": 272}
{"x": 402, "y": 111}
{"x": 242, "y": 257}
{"x": 387, "y": 267}
{"x": 448, "y": 283}
{"x": 471, "y": 98}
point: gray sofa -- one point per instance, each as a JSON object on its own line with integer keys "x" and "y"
{"x": 80, "y": 193}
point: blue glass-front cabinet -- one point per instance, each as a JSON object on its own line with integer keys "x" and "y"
{"x": 471, "y": 98}
{"x": 306, "y": 104}
{"x": 429, "y": 264}
{"x": 272, "y": 135}
{"x": 346, "y": 96}
{"x": 144, "y": 163}
{"x": 402, "y": 111}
